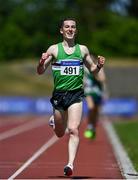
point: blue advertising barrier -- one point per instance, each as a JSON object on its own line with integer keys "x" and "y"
{"x": 42, "y": 105}
{"x": 120, "y": 106}
{"x": 22, "y": 105}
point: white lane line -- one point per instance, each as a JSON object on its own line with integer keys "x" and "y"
{"x": 47, "y": 145}
{"x": 22, "y": 128}
{"x": 127, "y": 169}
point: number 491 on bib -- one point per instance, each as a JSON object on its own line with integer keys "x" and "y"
{"x": 70, "y": 67}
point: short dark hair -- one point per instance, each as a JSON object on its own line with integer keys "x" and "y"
{"x": 61, "y": 23}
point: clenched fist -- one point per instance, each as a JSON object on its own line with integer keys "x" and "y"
{"x": 101, "y": 61}
{"x": 44, "y": 57}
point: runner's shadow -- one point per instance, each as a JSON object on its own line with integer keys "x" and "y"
{"x": 81, "y": 177}
{"x": 72, "y": 177}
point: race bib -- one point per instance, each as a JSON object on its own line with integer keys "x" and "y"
{"x": 70, "y": 67}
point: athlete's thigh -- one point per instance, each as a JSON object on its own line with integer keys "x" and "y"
{"x": 60, "y": 117}
{"x": 57, "y": 115}
{"x": 74, "y": 115}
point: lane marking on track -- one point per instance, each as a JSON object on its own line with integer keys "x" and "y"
{"x": 22, "y": 128}
{"x": 127, "y": 169}
{"x": 43, "y": 148}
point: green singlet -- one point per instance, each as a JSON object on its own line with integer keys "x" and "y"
{"x": 93, "y": 88}
{"x": 68, "y": 69}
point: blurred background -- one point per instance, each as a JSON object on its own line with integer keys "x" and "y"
{"x": 29, "y": 27}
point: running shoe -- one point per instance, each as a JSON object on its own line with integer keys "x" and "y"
{"x": 51, "y": 122}
{"x": 68, "y": 170}
{"x": 90, "y": 134}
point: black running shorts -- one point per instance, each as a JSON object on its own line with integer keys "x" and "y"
{"x": 61, "y": 100}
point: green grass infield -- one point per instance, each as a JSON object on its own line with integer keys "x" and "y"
{"x": 128, "y": 134}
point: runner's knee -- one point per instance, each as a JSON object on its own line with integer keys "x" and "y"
{"x": 74, "y": 131}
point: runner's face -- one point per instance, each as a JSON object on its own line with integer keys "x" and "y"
{"x": 69, "y": 29}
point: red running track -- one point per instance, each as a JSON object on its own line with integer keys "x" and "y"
{"x": 30, "y": 150}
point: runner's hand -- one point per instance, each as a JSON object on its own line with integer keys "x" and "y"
{"x": 44, "y": 57}
{"x": 101, "y": 61}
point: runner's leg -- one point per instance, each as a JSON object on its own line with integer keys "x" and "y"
{"x": 74, "y": 119}
{"x": 60, "y": 122}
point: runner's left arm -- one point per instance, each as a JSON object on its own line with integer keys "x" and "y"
{"x": 89, "y": 63}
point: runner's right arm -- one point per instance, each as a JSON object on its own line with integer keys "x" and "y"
{"x": 45, "y": 59}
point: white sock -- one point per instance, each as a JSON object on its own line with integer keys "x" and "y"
{"x": 70, "y": 165}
